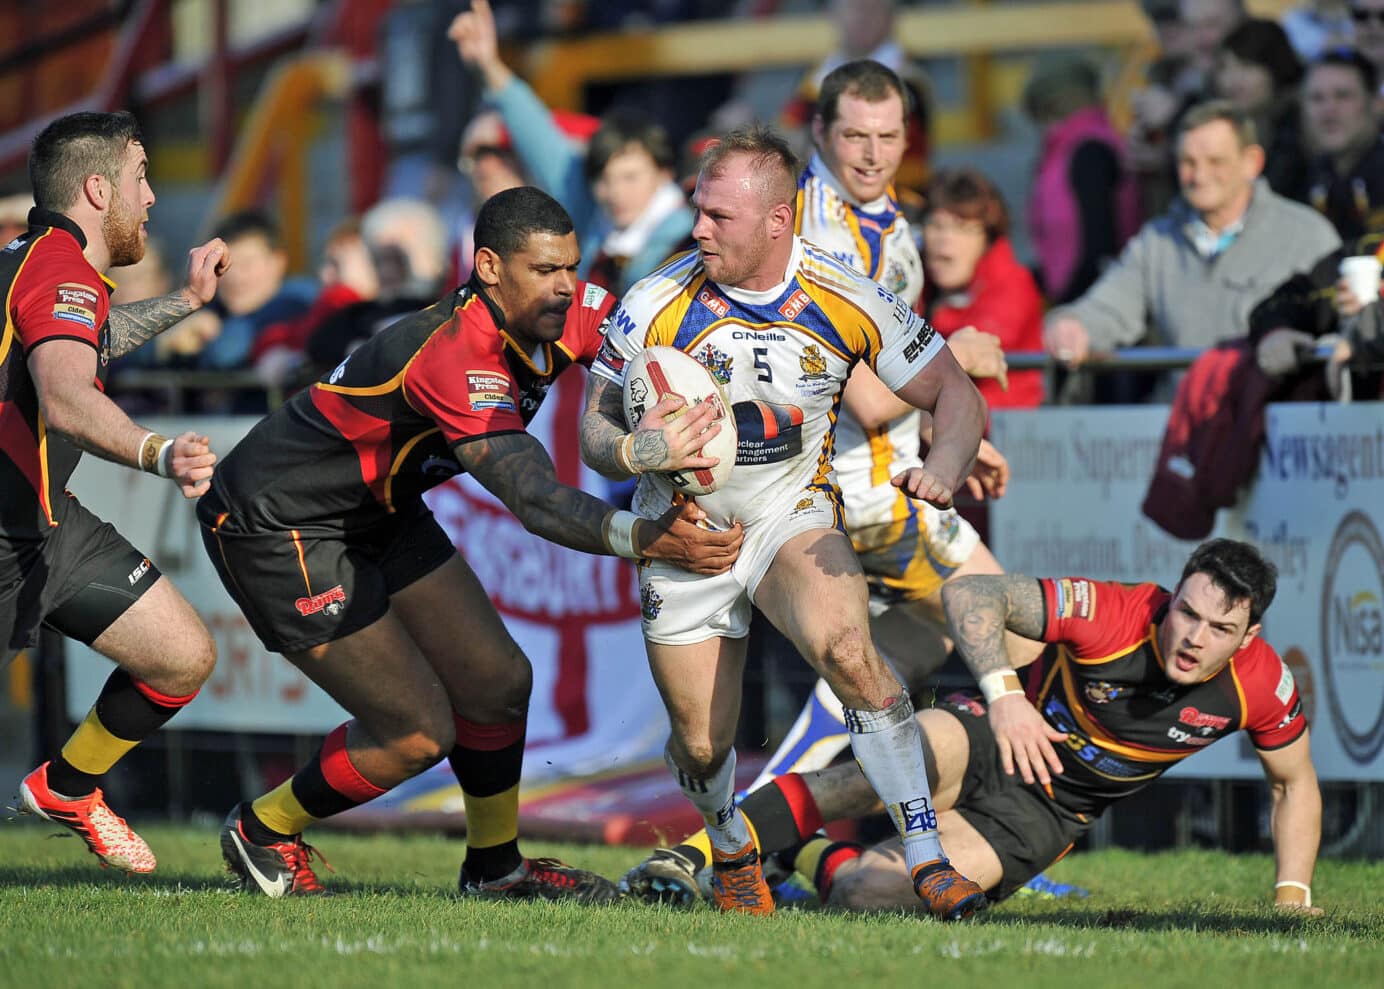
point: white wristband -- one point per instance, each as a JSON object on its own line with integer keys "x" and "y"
{"x": 622, "y": 455}
{"x": 619, "y": 534}
{"x": 165, "y": 461}
{"x": 1306, "y": 890}
{"x": 1000, "y": 683}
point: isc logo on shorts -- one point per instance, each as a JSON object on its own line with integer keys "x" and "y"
{"x": 139, "y": 571}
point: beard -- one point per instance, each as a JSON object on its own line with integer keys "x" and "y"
{"x": 120, "y": 227}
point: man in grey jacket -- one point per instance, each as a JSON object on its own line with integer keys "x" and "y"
{"x": 1190, "y": 277}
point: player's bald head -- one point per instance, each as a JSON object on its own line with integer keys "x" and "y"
{"x": 761, "y": 158}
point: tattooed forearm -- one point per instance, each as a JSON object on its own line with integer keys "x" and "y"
{"x": 603, "y": 428}
{"x": 981, "y": 608}
{"x": 515, "y": 468}
{"x": 135, "y": 322}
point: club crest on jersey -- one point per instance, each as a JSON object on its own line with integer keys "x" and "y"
{"x": 489, "y": 390}
{"x": 650, "y": 602}
{"x": 1102, "y": 692}
{"x": 812, "y": 362}
{"x": 895, "y": 277}
{"x": 716, "y": 361}
{"x": 332, "y": 602}
{"x": 795, "y": 304}
{"x": 714, "y": 302}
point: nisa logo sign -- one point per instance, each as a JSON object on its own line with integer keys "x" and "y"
{"x": 1352, "y": 637}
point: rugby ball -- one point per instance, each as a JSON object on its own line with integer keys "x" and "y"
{"x": 661, "y": 371}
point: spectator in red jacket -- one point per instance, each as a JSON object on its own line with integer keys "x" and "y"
{"x": 975, "y": 285}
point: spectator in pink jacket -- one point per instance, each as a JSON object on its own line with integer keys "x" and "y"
{"x": 1085, "y": 200}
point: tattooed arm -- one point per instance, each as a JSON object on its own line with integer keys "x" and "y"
{"x": 135, "y": 322}
{"x": 515, "y": 468}
{"x": 980, "y": 609}
{"x": 661, "y": 442}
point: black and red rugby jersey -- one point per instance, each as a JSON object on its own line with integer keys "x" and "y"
{"x": 51, "y": 293}
{"x": 1126, "y": 722}
{"x": 376, "y": 432}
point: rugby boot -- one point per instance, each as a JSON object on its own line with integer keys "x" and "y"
{"x": 666, "y": 876}
{"x": 541, "y": 879}
{"x": 947, "y": 893}
{"x": 281, "y": 869}
{"x": 108, "y": 837}
{"x": 737, "y": 881}
{"x": 1050, "y": 889}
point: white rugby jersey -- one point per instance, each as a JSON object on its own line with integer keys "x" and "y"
{"x": 781, "y": 356}
{"x": 874, "y": 239}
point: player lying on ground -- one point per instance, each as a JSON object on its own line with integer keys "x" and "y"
{"x": 317, "y": 526}
{"x": 1141, "y": 678}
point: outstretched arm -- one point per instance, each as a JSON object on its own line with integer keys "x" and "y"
{"x": 1296, "y": 822}
{"x": 515, "y": 468}
{"x": 133, "y": 323}
{"x": 980, "y": 609}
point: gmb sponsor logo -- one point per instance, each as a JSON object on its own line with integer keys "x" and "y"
{"x": 1352, "y": 636}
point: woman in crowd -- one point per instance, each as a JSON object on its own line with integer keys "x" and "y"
{"x": 974, "y": 282}
{"x": 1258, "y": 71}
{"x": 1085, "y": 199}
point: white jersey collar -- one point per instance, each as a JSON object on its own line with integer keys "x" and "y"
{"x": 818, "y": 167}
{"x": 748, "y": 298}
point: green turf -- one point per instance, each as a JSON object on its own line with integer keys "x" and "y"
{"x": 1183, "y": 919}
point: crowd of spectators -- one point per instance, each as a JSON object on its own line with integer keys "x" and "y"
{"x": 1252, "y": 165}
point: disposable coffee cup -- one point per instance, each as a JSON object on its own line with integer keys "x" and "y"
{"x": 1362, "y": 275}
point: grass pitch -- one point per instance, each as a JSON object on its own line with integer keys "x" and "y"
{"x": 1179, "y": 919}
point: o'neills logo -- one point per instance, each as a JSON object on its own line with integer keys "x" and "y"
{"x": 328, "y": 601}
{"x": 1353, "y": 637}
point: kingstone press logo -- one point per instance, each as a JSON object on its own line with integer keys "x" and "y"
{"x": 1353, "y": 637}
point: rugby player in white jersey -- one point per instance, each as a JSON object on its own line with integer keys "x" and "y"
{"x": 781, "y": 324}
{"x": 847, "y": 205}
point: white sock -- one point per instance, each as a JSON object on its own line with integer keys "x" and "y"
{"x": 889, "y": 748}
{"x": 715, "y": 798}
{"x": 808, "y": 746}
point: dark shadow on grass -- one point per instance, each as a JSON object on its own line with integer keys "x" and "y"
{"x": 72, "y": 876}
{"x": 1188, "y": 919}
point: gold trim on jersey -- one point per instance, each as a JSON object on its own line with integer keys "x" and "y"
{"x": 663, "y": 328}
{"x": 1239, "y": 691}
{"x": 398, "y": 463}
{"x": 881, "y": 454}
{"x": 1151, "y": 637}
{"x": 43, "y": 470}
{"x": 852, "y": 323}
{"x": 10, "y": 333}
{"x": 1097, "y": 734}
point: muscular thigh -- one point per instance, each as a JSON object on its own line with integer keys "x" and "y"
{"x": 814, "y": 592}
{"x": 379, "y": 675}
{"x": 450, "y": 617}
